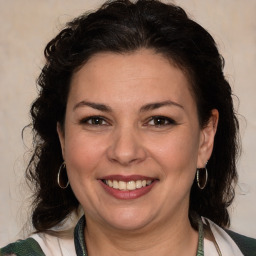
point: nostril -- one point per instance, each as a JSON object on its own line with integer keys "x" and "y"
{"x": 126, "y": 157}
{"x": 126, "y": 147}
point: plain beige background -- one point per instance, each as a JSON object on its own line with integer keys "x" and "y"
{"x": 25, "y": 28}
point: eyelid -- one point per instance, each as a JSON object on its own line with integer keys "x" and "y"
{"x": 170, "y": 121}
{"x": 84, "y": 121}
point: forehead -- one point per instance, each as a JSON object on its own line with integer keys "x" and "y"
{"x": 143, "y": 73}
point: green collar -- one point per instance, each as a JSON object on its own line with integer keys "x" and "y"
{"x": 81, "y": 246}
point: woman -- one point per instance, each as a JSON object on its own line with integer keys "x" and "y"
{"x": 134, "y": 122}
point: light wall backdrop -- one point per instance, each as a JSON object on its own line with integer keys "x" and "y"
{"x": 25, "y": 28}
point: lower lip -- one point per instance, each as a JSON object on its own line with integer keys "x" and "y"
{"x": 127, "y": 194}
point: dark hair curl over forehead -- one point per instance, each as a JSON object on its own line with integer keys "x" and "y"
{"x": 123, "y": 27}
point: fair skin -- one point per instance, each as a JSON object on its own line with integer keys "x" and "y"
{"x": 129, "y": 118}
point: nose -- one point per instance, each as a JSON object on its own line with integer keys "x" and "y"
{"x": 126, "y": 148}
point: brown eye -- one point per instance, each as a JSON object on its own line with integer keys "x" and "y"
{"x": 94, "y": 120}
{"x": 160, "y": 121}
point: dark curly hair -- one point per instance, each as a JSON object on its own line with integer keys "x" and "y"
{"x": 122, "y": 26}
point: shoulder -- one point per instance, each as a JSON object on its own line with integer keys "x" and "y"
{"x": 41, "y": 244}
{"x": 28, "y": 247}
{"x": 231, "y": 243}
{"x": 246, "y": 244}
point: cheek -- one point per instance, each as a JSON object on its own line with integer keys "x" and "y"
{"x": 82, "y": 154}
{"x": 177, "y": 153}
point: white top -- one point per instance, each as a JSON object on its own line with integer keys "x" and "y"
{"x": 54, "y": 246}
{"x": 226, "y": 244}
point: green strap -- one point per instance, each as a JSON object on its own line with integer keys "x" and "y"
{"x": 79, "y": 238}
{"x": 28, "y": 247}
{"x": 200, "y": 249}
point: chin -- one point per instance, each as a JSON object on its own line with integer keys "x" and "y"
{"x": 128, "y": 220}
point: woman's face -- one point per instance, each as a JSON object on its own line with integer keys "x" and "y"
{"x": 132, "y": 140}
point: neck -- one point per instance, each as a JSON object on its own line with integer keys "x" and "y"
{"x": 174, "y": 236}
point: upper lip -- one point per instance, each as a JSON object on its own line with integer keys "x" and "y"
{"x": 127, "y": 178}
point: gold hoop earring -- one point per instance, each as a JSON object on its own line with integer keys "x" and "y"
{"x": 198, "y": 178}
{"x": 63, "y": 165}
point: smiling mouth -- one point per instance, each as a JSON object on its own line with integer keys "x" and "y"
{"x": 127, "y": 186}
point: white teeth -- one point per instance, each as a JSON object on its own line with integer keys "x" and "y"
{"x": 130, "y": 185}
{"x": 138, "y": 184}
{"x": 115, "y": 184}
{"x": 122, "y": 185}
{"x": 110, "y": 183}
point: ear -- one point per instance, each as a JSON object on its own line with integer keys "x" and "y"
{"x": 61, "y": 138}
{"x": 207, "y": 139}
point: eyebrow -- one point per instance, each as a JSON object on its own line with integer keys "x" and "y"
{"x": 145, "y": 108}
{"x": 156, "y": 105}
{"x": 98, "y": 106}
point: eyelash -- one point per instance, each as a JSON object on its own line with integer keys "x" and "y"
{"x": 167, "y": 121}
{"x": 89, "y": 119}
{"x": 101, "y": 121}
